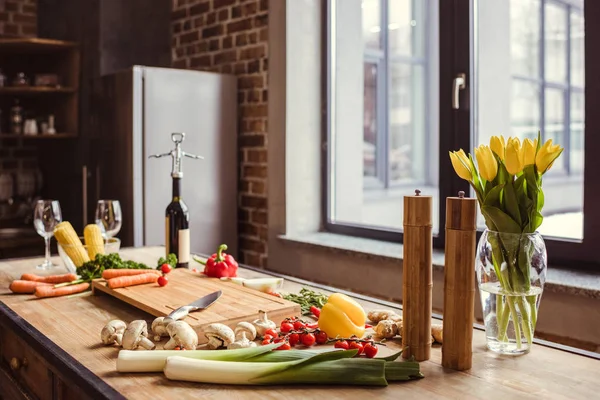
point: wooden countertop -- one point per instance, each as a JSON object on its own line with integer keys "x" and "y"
{"x": 74, "y": 326}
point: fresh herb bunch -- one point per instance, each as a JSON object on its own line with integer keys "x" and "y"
{"x": 93, "y": 269}
{"x": 307, "y": 298}
{"x": 171, "y": 260}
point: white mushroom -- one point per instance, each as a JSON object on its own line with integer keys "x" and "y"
{"x": 262, "y": 324}
{"x": 182, "y": 335}
{"x": 136, "y": 335}
{"x": 113, "y": 332}
{"x": 219, "y": 335}
{"x": 159, "y": 329}
{"x": 246, "y": 329}
{"x": 241, "y": 343}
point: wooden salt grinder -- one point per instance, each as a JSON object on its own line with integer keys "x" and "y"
{"x": 459, "y": 282}
{"x": 417, "y": 277}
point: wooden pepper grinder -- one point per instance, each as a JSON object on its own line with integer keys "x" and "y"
{"x": 459, "y": 282}
{"x": 417, "y": 277}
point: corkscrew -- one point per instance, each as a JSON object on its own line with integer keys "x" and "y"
{"x": 177, "y": 154}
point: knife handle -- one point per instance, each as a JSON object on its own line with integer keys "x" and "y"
{"x": 180, "y": 313}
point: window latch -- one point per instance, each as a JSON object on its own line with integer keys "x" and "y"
{"x": 458, "y": 84}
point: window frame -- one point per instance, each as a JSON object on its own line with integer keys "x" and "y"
{"x": 457, "y": 130}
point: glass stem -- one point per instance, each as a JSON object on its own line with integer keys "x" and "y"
{"x": 47, "y": 240}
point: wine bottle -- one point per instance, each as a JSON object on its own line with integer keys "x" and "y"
{"x": 177, "y": 216}
{"x": 177, "y": 240}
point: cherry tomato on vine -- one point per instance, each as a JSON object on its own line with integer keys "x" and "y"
{"x": 341, "y": 344}
{"x": 272, "y": 332}
{"x": 370, "y": 350}
{"x": 268, "y": 337}
{"x": 321, "y": 337}
{"x": 356, "y": 346}
{"x": 294, "y": 338}
{"x": 299, "y": 325}
{"x": 307, "y": 339}
{"x": 278, "y": 340}
{"x": 266, "y": 341}
{"x": 286, "y": 327}
{"x": 165, "y": 268}
{"x": 285, "y": 346}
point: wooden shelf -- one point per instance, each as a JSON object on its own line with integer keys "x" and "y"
{"x": 39, "y": 136}
{"x": 33, "y": 90}
{"x": 34, "y": 45}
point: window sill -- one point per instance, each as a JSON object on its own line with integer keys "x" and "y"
{"x": 559, "y": 279}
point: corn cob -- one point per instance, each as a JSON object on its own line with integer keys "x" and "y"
{"x": 93, "y": 240}
{"x": 69, "y": 241}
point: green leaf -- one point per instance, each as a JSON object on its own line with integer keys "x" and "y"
{"x": 511, "y": 202}
{"x": 502, "y": 221}
{"x": 475, "y": 174}
{"x": 493, "y": 196}
{"x": 503, "y": 176}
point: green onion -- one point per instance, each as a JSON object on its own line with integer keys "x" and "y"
{"x": 154, "y": 360}
{"x": 335, "y": 367}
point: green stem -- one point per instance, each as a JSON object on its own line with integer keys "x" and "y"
{"x": 220, "y": 251}
{"x": 532, "y": 306}
{"x": 75, "y": 282}
{"x": 503, "y": 320}
{"x": 515, "y": 318}
{"x": 525, "y": 319}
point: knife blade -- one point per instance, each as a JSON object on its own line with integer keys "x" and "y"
{"x": 200, "y": 304}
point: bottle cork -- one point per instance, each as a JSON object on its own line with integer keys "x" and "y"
{"x": 459, "y": 282}
{"x": 417, "y": 277}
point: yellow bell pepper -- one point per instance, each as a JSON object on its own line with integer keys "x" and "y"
{"x": 342, "y": 316}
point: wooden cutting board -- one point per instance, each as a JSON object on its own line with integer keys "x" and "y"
{"x": 236, "y": 304}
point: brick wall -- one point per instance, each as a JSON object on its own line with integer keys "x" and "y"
{"x": 18, "y": 17}
{"x": 230, "y": 36}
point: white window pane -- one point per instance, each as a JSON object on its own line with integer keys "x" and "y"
{"x": 406, "y": 26}
{"x": 525, "y": 109}
{"x": 555, "y": 123}
{"x": 371, "y": 23}
{"x": 525, "y": 37}
{"x": 577, "y": 50}
{"x": 555, "y": 42}
{"x": 577, "y": 125}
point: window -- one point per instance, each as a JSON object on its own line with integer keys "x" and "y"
{"x": 390, "y": 68}
{"x": 384, "y": 73}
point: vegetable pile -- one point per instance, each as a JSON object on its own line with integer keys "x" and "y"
{"x": 307, "y": 299}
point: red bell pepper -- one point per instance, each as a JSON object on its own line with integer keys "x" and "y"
{"x": 221, "y": 265}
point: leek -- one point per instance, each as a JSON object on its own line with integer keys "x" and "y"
{"x": 154, "y": 360}
{"x": 335, "y": 367}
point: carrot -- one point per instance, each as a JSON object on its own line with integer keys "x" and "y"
{"x": 124, "y": 281}
{"x": 115, "y": 273}
{"x": 21, "y": 286}
{"x": 50, "y": 291}
{"x": 49, "y": 278}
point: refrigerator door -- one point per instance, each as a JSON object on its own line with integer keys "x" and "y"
{"x": 204, "y": 106}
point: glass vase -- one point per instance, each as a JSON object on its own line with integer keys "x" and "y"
{"x": 511, "y": 272}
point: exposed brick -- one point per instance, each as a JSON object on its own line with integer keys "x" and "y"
{"x": 226, "y": 69}
{"x": 253, "y": 201}
{"x": 29, "y": 8}
{"x": 187, "y": 25}
{"x": 261, "y": 20}
{"x": 246, "y": 82}
{"x": 254, "y": 171}
{"x": 253, "y": 66}
{"x": 239, "y": 68}
{"x": 250, "y": 8}
{"x": 263, "y": 233}
{"x": 244, "y": 215}
{"x": 211, "y": 18}
{"x": 214, "y": 45}
{"x": 252, "y": 141}
{"x": 256, "y": 156}
{"x": 254, "y": 96}
{"x": 4, "y": 16}
{"x": 227, "y": 42}
{"x": 265, "y": 96}
{"x": 29, "y": 30}
{"x": 265, "y": 64}
{"x": 222, "y": 3}
{"x": 239, "y": 26}
{"x": 11, "y": 6}
{"x": 182, "y": 63}
{"x": 179, "y": 14}
{"x": 241, "y": 39}
{"x": 264, "y": 261}
{"x": 200, "y": 8}
{"x": 212, "y": 31}
{"x": 236, "y": 12}
{"x": 252, "y": 245}
{"x": 176, "y": 27}
{"x": 11, "y": 29}
{"x": 241, "y": 97}
{"x": 259, "y": 188}
{"x": 225, "y": 56}
{"x": 254, "y": 110}
{"x": 252, "y": 37}
{"x": 250, "y": 258}
{"x": 248, "y": 229}
{"x": 259, "y": 217}
{"x": 253, "y": 53}
{"x": 244, "y": 186}
{"x": 201, "y": 61}
{"x": 189, "y": 37}
{"x": 223, "y": 15}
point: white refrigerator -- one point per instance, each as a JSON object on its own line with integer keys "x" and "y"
{"x": 137, "y": 110}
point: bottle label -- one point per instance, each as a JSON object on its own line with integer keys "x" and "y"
{"x": 184, "y": 246}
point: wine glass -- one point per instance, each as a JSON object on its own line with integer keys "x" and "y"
{"x": 46, "y": 215}
{"x": 109, "y": 217}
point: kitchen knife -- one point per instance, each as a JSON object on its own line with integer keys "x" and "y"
{"x": 200, "y": 304}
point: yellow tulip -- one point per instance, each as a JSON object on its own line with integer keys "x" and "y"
{"x": 461, "y": 164}
{"x": 547, "y": 155}
{"x": 498, "y": 145}
{"x": 488, "y": 166}
{"x": 513, "y": 161}
{"x": 528, "y": 152}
